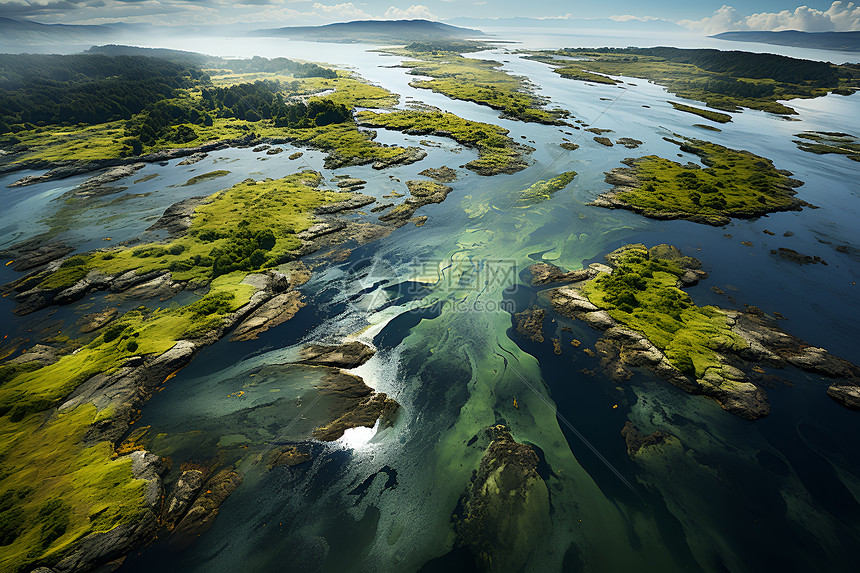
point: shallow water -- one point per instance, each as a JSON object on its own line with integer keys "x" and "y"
{"x": 782, "y": 492}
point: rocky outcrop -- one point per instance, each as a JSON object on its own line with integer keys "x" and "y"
{"x": 32, "y": 254}
{"x": 351, "y": 184}
{"x": 98, "y": 186}
{"x": 355, "y": 202}
{"x": 545, "y": 273}
{"x": 442, "y": 174}
{"x": 287, "y": 456}
{"x": 176, "y": 219}
{"x": 193, "y": 158}
{"x": 184, "y": 492}
{"x": 529, "y": 323}
{"x": 762, "y": 341}
{"x": 422, "y": 193}
{"x": 506, "y": 508}
{"x": 40, "y": 353}
{"x": 347, "y": 355}
{"x": 352, "y": 404}
{"x": 201, "y": 516}
{"x": 277, "y": 310}
{"x": 96, "y": 320}
{"x": 798, "y": 258}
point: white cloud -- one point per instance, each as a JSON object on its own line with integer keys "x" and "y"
{"x": 413, "y": 12}
{"x": 345, "y": 10}
{"x": 840, "y": 17}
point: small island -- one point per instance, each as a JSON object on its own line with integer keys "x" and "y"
{"x": 734, "y": 184}
{"x": 650, "y": 322}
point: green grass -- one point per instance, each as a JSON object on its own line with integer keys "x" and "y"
{"x": 734, "y": 184}
{"x": 497, "y": 153}
{"x": 641, "y": 294}
{"x": 705, "y": 113}
{"x": 479, "y": 81}
{"x": 55, "y": 490}
{"x": 544, "y": 190}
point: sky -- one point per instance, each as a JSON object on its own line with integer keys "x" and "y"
{"x": 704, "y": 16}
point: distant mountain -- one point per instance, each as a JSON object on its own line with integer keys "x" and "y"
{"x": 841, "y": 41}
{"x": 573, "y": 24}
{"x": 373, "y": 31}
{"x": 26, "y": 32}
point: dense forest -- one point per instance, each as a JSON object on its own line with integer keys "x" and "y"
{"x": 38, "y": 90}
{"x": 51, "y": 89}
{"x": 255, "y": 64}
{"x": 168, "y": 119}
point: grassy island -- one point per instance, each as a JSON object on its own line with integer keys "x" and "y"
{"x": 705, "y": 113}
{"x": 479, "y": 81}
{"x": 544, "y": 190}
{"x": 497, "y": 153}
{"x": 641, "y": 293}
{"x": 823, "y": 142}
{"x": 733, "y": 184}
{"x": 725, "y": 80}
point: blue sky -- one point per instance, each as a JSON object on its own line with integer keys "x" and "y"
{"x": 703, "y": 16}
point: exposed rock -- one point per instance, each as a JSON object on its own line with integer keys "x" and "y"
{"x": 295, "y": 155}
{"x": 442, "y": 174}
{"x": 320, "y": 229}
{"x": 187, "y": 487}
{"x": 98, "y": 186}
{"x": 194, "y": 158}
{"x": 277, "y": 310}
{"x": 846, "y": 394}
{"x": 275, "y": 151}
{"x": 545, "y": 273}
{"x": 32, "y": 254}
{"x": 352, "y": 404}
{"x": 176, "y": 219}
{"x": 795, "y": 257}
{"x": 529, "y": 323}
{"x": 204, "y": 510}
{"x": 287, "y": 456}
{"x": 628, "y": 142}
{"x": 261, "y": 148}
{"x": 347, "y": 355}
{"x": 506, "y": 508}
{"x": 95, "y": 280}
{"x": 351, "y": 184}
{"x": 161, "y": 287}
{"x": 636, "y": 440}
{"x": 39, "y": 353}
{"x": 96, "y": 320}
{"x": 354, "y": 202}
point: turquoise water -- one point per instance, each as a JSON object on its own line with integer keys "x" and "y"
{"x": 782, "y": 492}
